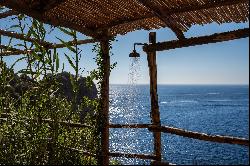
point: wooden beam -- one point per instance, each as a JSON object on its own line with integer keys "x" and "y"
{"x": 50, "y": 46}
{"x": 44, "y": 43}
{"x": 8, "y": 48}
{"x": 86, "y": 153}
{"x": 155, "y": 113}
{"x": 161, "y": 163}
{"x": 44, "y": 5}
{"x": 217, "y": 37}
{"x": 71, "y": 43}
{"x": 65, "y": 123}
{"x": 7, "y": 14}
{"x": 124, "y": 21}
{"x": 23, "y": 37}
{"x": 200, "y": 136}
{"x": 130, "y": 155}
{"x": 136, "y": 126}
{"x": 104, "y": 103}
{"x": 22, "y": 7}
{"x": 4, "y": 116}
{"x": 10, "y": 53}
{"x": 163, "y": 17}
{"x": 181, "y": 9}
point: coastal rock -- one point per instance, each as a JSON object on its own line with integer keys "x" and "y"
{"x": 66, "y": 88}
{"x": 85, "y": 89}
{"x": 19, "y": 85}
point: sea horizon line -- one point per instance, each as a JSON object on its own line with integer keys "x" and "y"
{"x": 186, "y": 84}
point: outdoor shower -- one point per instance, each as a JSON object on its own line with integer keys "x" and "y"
{"x": 135, "y": 54}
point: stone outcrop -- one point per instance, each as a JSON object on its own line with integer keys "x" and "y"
{"x": 84, "y": 88}
{"x": 20, "y": 84}
{"x": 17, "y": 85}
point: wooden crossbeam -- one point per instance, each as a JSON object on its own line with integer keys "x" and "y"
{"x": 130, "y": 155}
{"x": 54, "y": 4}
{"x": 161, "y": 15}
{"x": 45, "y": 5}
{"x": 9, "y": 48}
{"x": 185, "y": 133}
{"x": 217, "y": 37}
{"x": 124, "y": 21}
{"x": 7, "y": 51}
{"x": 15, "y": 51}
{"x": 10, "y": 53}
{"x": 86, "y": 153}
{"x": 136, "y": 126}
{"x": 23, "y": 37}
{"x": 65, "y": 123}
{"x": 43, "y": 43}
{"x": 71, "y": 43}
{"x": 200, "y": 136}
{"x": 4, "y": 116}
{"x": 47, "y": 45}
{"x": 158, "y": 163}
{"x": 7, "y": 14}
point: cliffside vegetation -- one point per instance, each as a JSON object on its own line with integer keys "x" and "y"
{"x": 47, "y": 115}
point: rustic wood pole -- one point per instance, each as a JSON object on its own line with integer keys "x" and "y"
{"x": 105, "y": 102}
{"x": 155, "y": 114}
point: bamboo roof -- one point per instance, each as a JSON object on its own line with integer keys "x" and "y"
{"x": 93, "y": 17}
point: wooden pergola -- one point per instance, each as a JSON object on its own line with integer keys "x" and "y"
{"x": 104, "y": 19}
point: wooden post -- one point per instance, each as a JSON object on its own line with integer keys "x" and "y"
{"x": 155, "y": 114}
{"x": 105, "y": 103}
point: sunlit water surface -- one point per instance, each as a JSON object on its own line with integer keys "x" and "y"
{"x": 220, "y": 110}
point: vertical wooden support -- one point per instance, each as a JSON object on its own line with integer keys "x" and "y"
{"x": 155, "y": 114}
{"x": 105, "y": 103}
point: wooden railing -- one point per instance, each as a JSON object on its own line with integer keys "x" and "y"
{"x": 186, "y": 133}
{"x": 130, "y": 155}
{"x": 152, "y": 128}
{"x": 200, "y": 136}
{"x": 4, "y": 117}
{"x": 179, "y": 132}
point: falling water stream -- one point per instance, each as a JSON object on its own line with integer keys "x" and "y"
{"x": 134, "y": 71}
{"x": 129, "y": 140}
{"x": 131, "y": 113}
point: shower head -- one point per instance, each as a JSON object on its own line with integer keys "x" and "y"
{"x": 135, "y": 54}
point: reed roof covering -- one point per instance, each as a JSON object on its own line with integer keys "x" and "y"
{"x": 93, "y": 17}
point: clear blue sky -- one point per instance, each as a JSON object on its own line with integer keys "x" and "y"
{"x": 220, "y": 63}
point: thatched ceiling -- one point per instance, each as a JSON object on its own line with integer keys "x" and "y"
{"x": 93, "y": 17}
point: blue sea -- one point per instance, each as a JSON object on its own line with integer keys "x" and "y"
{"x": 222, "y": 110}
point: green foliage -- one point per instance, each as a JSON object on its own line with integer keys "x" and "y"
{"x": 97, "y": 74}
{"x": 27, "y": 139}
{"x": 31, "y": 131}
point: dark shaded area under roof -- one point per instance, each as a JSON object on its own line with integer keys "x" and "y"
{"x": 94, "y": 17}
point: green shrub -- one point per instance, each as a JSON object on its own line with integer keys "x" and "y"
{"x": 34, "y": 125}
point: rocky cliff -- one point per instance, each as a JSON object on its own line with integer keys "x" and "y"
{"x": 18, "y": 85}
